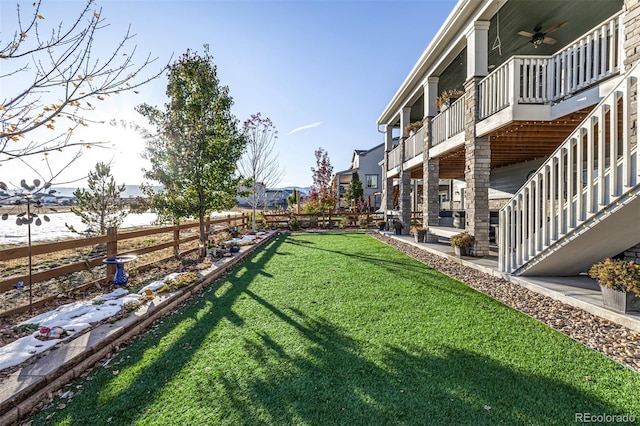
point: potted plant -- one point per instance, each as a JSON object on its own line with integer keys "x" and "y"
{"x": 446, "y": 98}
{"x": 397, "y": 226}
{"x": 420, "y": 233}
{"x": 381, "y": 224}
{"x": 461, "y": 243}
{"x": 413, "y": 127}
{"x": 620, "y": 284}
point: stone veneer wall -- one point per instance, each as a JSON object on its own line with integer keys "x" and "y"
{"x": 633, "y": 254}
{"x": 631, "y": 22}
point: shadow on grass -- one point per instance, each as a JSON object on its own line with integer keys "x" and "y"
{"x": 319, "y": 375}
{"x": 332, "y": 382}
{"x": 370, "y": 257}
{"x": 400, "y": 267}
{"x": 99, "y": 405}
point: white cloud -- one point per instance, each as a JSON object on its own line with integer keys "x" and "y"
{"x": 306, "y": 126}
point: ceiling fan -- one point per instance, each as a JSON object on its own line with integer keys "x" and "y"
{"x": 538, "y": 37}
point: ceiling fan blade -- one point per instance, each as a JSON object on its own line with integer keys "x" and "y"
{"x": 525, "y": 34}
{"x": 555, "y": 27}
{"x": 549, "y": 40}
{"x": 519, "y": 48}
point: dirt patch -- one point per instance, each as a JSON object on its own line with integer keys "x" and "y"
{"x": 137, "y": 279}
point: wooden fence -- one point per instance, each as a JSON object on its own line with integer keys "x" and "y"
{"x": 110, "y": 240}
{"x": 280, "y": 219}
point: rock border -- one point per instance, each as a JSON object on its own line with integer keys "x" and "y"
{"x": 609, "y": 338}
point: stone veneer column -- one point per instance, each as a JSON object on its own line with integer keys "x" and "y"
{"x": 387, "y": 183}
{"x": 405, "y": 176}
{"x": 631, "y": 22}
{"x": 405, "y": 197}
{"x": 477, "y": 173}
{"x": 387, "y": 187}
{"x": 430, "y": 176}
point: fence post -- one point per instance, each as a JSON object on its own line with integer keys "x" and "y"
{"x": 112, "y": 249}
{"x": 176, "y": 239}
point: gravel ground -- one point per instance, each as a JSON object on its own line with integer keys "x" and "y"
{"x": 613, "y": 340}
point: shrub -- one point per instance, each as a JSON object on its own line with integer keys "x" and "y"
{"x": 294, "y": 225}
{"x": 621, "y": 275}
{"x": 463, "y": 239}
{"x": 415, "y": 230}
{"x": 182, "y": 280}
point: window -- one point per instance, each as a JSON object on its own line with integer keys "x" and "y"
{"x": 372, "y": 181}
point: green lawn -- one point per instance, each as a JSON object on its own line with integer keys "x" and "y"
{"x": 339, "y": 328}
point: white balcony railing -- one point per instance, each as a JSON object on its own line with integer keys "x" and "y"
{"x": 413, "y": 145}
{"x": 593, "y": 168}
{"x": 394, "y": 158}
{"x": 448, "y": 123}
{"x": 412, "y": 148}
{"x": 547, "y": 79}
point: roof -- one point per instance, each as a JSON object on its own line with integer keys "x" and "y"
{"x": 447, "y": 41}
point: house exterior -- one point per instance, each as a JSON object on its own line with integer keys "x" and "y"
{"x": 367, "y": 164}
{"x": 543, "y": 136}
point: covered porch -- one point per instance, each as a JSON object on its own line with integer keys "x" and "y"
{"x": 518, "y": 101}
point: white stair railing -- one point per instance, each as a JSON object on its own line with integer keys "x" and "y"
{"x": 595, "y": 166}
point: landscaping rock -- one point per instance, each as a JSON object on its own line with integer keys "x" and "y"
{"x": 615, "y": 341}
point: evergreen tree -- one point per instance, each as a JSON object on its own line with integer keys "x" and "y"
{"x": 101, "y": 206}
{"x": 354, "y": 191}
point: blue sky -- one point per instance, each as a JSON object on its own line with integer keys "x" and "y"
{"x": 323, "y": 71}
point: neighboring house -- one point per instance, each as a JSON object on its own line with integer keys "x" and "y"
{"x": 257, "y": 195}
{"x": 543, "y": 134}
{"x": 271, "y": 199}
{"x": 367, "y": 164}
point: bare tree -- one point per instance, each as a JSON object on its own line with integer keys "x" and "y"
{"x": 57, "y": 75}
{"x": 259, "y": 164}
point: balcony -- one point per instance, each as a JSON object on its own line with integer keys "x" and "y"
{"x": 412, "y": 147}
{"x": 545, "y": 80}
{"x": 449, "y": 122}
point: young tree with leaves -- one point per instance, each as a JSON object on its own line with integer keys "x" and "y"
{"x": 195, "y": 153}
{"x": 354, "y": 190}
{"x": 321, "y": 197}
{"x": 101, "y": 206}
{"x": 259, "y": 164}
{"x": 66, "y": 77}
